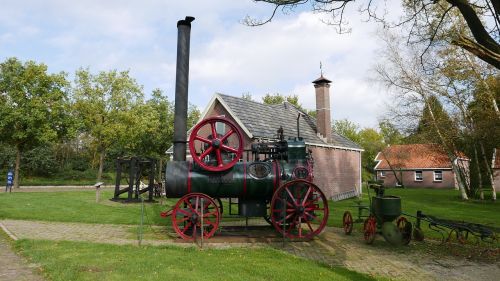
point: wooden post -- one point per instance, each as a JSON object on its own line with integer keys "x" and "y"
{"x": 98, "y": 191}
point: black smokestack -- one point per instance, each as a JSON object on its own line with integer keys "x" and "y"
{"x": 181, "y": 88}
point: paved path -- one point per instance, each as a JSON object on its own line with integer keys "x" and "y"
{"x": 400, "y": 263}
{"x": 332, "y": 248}
{"x": 12, "y": 267}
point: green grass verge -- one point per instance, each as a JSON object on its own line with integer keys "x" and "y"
{"x": 77, "y": 206}
{"x": 87, "y": 261}
{"x": 73, "y": 178}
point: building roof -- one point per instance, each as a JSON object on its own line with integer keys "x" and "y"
{"x": 263, "y": 121}
{"x": 414, "y": 156}
{"x": 321, "y": 80}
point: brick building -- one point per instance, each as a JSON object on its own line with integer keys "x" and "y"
{"x": 337, "y": 160}
{"x": 495, "y": 165}
{"x": 417, "y": 165}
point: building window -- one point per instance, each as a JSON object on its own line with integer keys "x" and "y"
{"x": 438, "y": 175}
{"x": 382, "y": 174}
{"x": 220, "y": 127}
{"x": 418, "y": 176}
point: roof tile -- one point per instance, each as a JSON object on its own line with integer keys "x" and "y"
{"x": 263, "y": 120}
{"x": 414, "y": 156}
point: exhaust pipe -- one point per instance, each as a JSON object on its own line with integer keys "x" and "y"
{"x": 181, "y": 88}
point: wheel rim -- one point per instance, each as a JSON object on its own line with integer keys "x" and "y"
{"x": 370, "y": 229}
{"x": 347, "y": 222}
{"x": 223, "y": 151}
{"x": 405, "y": 228}
{"x": 299, "y": 209}
{"x": 187, "y": 214}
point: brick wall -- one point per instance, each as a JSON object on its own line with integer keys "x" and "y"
{"x": 336, "y": 171}
{"x": 496, "y": 177}
{"x": 408, "y": 178}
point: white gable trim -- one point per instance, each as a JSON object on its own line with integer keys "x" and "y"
{"x": 211, "y": 105}
{"x": 378, "y": 161}
{"x": 334, "y": 146}
{"x": 412, "y": 169}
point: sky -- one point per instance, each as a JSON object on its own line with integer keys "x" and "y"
{"x": 227, "y": 56}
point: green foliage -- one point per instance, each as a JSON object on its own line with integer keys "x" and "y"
{"x": 372, "y": 142}
{"x": 347, "y": 129}
{"x": 108, "y": 106}
{"x": 426, "y": 131}
{"x": 390, "y": 133}
{"x": 7, "y": 156}
{"x": 194, "y": 115}
{"x": 32, "y": 103}
{"x": 40, "y": 161}
{"x": 33, "y": 106}
{"x": 279, "y": 99}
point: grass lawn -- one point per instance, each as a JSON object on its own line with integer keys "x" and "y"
{"x": 80, "y": 206}
{"x": 76, "y": 206}
{"x": 87, "y": 261}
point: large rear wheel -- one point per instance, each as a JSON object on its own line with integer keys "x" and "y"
{"x": 299, "y": 209}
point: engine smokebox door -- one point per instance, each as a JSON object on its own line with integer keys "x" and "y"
{"x": 252, "y": 208}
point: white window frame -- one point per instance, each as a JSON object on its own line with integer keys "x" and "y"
{"x": 438, "y": 172}
{"x": 382, "y": 174}
{"x": 421, "y": 178}
{"x": 220, "y": 127}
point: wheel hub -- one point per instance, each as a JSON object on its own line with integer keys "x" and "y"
{"x": 216, "y": 143}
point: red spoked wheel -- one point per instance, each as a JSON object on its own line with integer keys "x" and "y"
{"x": 299, "y": 209}
{"x": 347, "y": 222}
{"x": 370, "y": 229}
{"x": 215, "y": 151}
{"x": 405, "y": 229}
{"x": 191, "y": 212}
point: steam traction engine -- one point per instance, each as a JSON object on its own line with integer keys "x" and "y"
{"x": 276, "y": 185}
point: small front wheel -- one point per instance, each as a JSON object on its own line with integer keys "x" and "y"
{"x": 347, "y": 222}
{"x": 370, "y": 229}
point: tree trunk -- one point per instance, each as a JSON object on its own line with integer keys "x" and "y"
{"x": 102, "y": 154}
{"x": 489, "y": 170}
{"x": 18, "y": 165}
{"x": 479, "y": 177}
{"x": 450, "y": 152}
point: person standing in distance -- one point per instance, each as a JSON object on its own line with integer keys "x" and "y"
{"x": 10, "y": 180}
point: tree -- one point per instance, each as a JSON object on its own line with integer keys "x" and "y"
{"x": 414, "y": 89}
{"x": 106, "y": 105}
{"x": 390, "y": 133}
{"x": 33, "y": 104}
{"x": 247, "y": 96}
{"x": 347, "y": 129}
{"x": 292, "y": 99}
{"x": 372, "y": 142}
{"x": 471, "y": 25}
{"x": 431, "y": 115}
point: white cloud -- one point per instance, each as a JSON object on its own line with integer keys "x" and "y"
{"x": 226, "y": 56}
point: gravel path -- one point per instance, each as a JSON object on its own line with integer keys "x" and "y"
{"x": 332, "y": 248}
